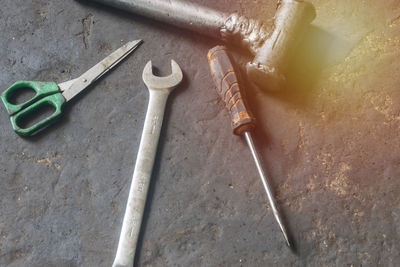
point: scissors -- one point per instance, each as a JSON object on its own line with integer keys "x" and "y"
{"x": 56, "y": 95}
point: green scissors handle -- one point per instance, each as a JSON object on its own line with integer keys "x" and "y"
{"x": 46, "y": 94}
{"x": 56, "y": 95}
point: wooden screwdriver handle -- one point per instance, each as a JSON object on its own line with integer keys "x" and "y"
{"x": 228, "y": 88}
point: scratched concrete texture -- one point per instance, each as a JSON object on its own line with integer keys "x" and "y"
{"x": 329, "y": 143}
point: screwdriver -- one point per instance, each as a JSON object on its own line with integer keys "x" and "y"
{"x": 242, "y": 121}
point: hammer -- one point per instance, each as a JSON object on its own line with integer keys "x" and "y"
{"x": 270, "y": 49}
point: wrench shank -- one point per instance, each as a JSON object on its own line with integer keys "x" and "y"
{"x": 179, "y": 13}
{"x": 141, "y": 178}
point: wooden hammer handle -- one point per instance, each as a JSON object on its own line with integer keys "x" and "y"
{"x": 228, "y": 88}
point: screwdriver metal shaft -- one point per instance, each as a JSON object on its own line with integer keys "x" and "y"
{"x": 241, "y": 121}
{"x": 266, "y": 185}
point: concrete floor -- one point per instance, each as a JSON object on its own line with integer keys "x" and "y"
{"x": 329, "y": 142}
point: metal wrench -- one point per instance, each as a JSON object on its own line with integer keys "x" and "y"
{"x": 159, "y": 89}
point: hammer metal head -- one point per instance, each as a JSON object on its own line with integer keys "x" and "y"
{"x": 271, "y": 60}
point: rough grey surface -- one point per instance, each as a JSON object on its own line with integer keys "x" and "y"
{"x": 329, "y": 143}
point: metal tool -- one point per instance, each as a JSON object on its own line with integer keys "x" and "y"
{"x": 241, "y": 120}
{"x": 271, "y": 49}
{"x": 56, "y": 95}
{"x": 159, "y": 89}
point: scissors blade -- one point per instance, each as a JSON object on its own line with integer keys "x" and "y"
{"x": 71, "y": 88}
{"x": 65, "y": 85}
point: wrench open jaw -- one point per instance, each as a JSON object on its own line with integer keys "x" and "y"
{"x": 162, "y": 83}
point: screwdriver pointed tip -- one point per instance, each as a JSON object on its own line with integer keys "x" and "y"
{"x": 288, "y": 243}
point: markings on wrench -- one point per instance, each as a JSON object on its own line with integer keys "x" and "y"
{"x": 154, "y": 124}
{"x": 134, "y": 220}
{"x": 141, "y": 180}
{"x": 141, "y": 184}
{"x": 134, "y": 223}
